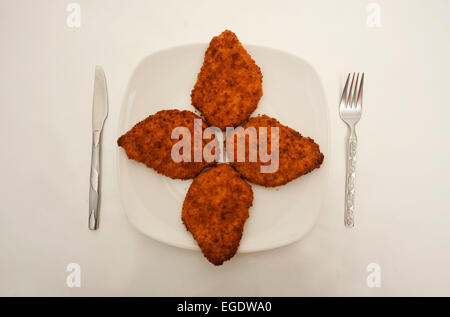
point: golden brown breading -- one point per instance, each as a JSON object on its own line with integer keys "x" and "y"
{"x": 229, "y": 84}
{"x": 298, "y": 155}
{"x": 150, "y": 142}
{"x": 215, "y": 210}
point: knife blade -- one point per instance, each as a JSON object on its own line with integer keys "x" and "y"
{"x": 99, "y": 114}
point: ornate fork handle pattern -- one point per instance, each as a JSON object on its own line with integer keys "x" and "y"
{"x": 350, "y": 182}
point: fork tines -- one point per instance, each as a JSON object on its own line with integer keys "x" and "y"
{"x": 352, "y": 96}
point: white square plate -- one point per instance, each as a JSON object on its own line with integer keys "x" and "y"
{"x": 292, "y": 93}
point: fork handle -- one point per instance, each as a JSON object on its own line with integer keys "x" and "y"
{"x": 350, "y": 181}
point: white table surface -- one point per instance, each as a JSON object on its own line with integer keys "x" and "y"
{"x": 403, "y": 189}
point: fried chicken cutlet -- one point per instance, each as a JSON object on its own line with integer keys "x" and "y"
{"x": 149, "y": 142}
{"x": 229, "y": 85}
{"x": 298, "y": 155}
{"x": 215, "y": 210}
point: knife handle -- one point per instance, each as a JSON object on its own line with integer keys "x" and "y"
{"x": 94, "y": 189}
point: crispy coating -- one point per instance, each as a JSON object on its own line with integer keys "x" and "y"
{"x": 229, "y": 84}
{"x": 149, "y": 142}
{"x": 215, "y": 210}
{"x": 298, "y": 155}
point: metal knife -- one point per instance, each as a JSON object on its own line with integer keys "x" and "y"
{"x": 99, "y": 114}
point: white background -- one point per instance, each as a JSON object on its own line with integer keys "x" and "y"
{"x": 403, "y": 201}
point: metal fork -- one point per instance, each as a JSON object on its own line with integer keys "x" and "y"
{"x": 350, "y": 109}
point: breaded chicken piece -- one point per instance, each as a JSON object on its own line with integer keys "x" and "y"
{"x": 229, "y": 84}
{"x": 215, "y": 210}
{"x": 298, "y": 155}
{"x": 150, "y": 142}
